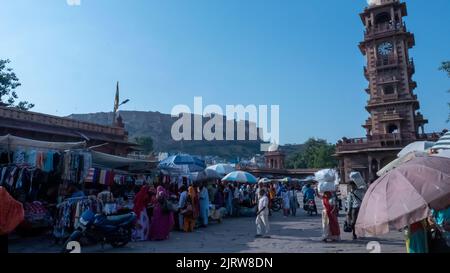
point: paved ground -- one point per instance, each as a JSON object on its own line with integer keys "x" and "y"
{"x": 300, "y": 234}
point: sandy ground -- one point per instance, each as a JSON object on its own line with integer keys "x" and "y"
{"x": 299, "y": 234}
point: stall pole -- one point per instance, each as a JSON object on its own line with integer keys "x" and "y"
{"x": 9, "y": 150}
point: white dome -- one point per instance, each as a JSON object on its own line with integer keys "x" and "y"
{"x": 373, "y": 2}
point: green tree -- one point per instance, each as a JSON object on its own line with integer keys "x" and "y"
{"x": 8, "y": 84}
{"x": 146, "y": 143}
{"x": 317, "y": 153}
{"x": 446, "y": 68}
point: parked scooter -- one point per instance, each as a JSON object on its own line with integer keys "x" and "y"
{"x": 114, "y": 230}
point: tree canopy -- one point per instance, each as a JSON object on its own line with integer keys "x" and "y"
{"x": 8, "y": 84}
{"x": 446, "y": 68}
{"x": 146, "y": 144}
{"x": 317, "y": 153}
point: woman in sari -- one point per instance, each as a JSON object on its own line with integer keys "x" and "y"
{"x": 162, "y": 221}
{"x": 142, "y": 228}
{"x": 330, "y": 225}
{"x": 417, "y": 237}
{"x": 191, "y": 217}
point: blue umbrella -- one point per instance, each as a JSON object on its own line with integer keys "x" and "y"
{"x": 172, "y": 162}
{"x": 240, "y": 177}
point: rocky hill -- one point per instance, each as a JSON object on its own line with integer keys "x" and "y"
{"x": 158, "y": 126}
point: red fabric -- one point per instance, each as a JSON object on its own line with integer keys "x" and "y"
{"x": 141, "y": 200}
{"x": 11, "y": 212}
{"x": 416, "y": 227}
{"x": 334, "y": 224}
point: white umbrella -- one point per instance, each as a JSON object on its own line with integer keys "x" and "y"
{"x": 264, "y": 180}
{"x": 395, "y": 163}
{"x": 222, "y": 169}
{"x": 443, "y": 142}
{"x": 240, "y": 177}
{"x": 443, "y": 153}
{"x": 418, "y": 146}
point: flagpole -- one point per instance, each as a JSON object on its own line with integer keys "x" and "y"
{"x": 116, "y": 104}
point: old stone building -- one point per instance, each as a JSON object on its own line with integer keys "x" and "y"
{"x": 394, "y": 120}
{"x": 275, "y": 158}
{"x": 38, "y": 126}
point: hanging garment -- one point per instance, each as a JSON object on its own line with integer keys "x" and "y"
{"x": 102, "y": 179}
{"x": 40, "y": 160}
{"x": 48, "y": 162}
{"x": 3, "y": 175}
{"x": 19, "y": 157}
{"x": 31, "y": 158}
{"x": 90, "y": 176}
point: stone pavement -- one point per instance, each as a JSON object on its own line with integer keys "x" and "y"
{"x": 300, "y": 234}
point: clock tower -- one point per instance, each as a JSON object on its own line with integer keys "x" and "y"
{"x": 392, "y": 104}
{"x": 394, "y": 120}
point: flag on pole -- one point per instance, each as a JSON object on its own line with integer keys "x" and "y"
{"x": 116, "y": 100}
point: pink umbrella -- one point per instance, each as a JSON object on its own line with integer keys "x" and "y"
{"x": 405, "y": 195}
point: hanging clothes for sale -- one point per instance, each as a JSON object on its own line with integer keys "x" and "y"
{"x": 69, "y": 212}
{"x": 76, "y": 165}
{"x": 22, "y": 182}
{"x": 92, "y": 176}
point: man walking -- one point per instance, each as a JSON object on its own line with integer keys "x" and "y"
{"x": 262, "y": 215}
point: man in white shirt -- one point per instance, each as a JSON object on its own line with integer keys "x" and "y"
{"x": 262, "y": 215}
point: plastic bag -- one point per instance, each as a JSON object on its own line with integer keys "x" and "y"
{"x": 326, "y": 186}
{"x": 325, "y": 175}
{"x": 359, "y": 181}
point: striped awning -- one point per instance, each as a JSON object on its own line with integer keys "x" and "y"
{"x": 443, "y": 142}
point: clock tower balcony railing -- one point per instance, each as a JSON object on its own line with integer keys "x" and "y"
{"x": 390, "y": 116}
{"x": 383, "y": 141}
{"x": 387, "y": 79}
{"x": 387, "y": 97}
{"x": 384, "y": 28}
{"x": 387, "y": 62}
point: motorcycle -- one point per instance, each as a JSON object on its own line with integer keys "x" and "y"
{"x": 114, "y": 230}
{"x": 310, "y": 207}
{"x": 276, "y": 204}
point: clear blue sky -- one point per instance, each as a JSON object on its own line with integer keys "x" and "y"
{"x": 302, "y": 55}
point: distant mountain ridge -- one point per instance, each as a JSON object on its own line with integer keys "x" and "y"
{"x": 158, "y": 126}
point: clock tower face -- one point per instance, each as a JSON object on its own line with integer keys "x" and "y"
{"x": 385, "y": 49}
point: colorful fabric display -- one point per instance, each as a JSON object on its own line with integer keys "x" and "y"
{"x": 90, "y": 176}
{"x": 119, "y": 179}
{"x": 102, "y": 179}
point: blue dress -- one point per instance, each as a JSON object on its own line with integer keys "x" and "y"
{"x": 204, "y": 206}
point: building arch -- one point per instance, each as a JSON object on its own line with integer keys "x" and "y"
{"x": 382, "y": 18}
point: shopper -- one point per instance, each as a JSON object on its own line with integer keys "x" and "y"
{"x": 162, "y": 220}
{"x": 330, "y": 224}
{"x": 286, "y": 203}
{"x": 204, "y": 205}
{"x": 293, "y": 201}
{"x": 354, "y": 200}
{"x": 142, "y": 229}
{"x": 262, "y": 215}
{"x": 182, "y": 206}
